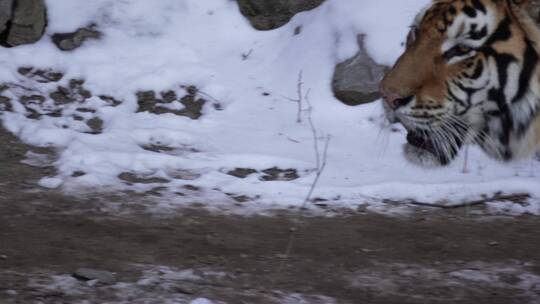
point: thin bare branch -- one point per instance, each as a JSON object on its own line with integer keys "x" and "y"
{"x": 299, "y": 100}
{"x": 516, "y": 198}
{"x": 320, "y": 162}
{"x": 299, "y": 85}
{"x": 245, "y": 56}
{"x": 320, "y": 170}
{"x": 313, "y": 131}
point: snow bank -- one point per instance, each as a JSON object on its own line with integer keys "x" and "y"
{"x": 163, "y": 45}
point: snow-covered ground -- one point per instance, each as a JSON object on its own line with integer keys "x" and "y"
{"x": 248, "y": 77}
{"x": 161, "y": 284}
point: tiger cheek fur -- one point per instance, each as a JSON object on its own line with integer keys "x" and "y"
{"x": 469, "y": 74}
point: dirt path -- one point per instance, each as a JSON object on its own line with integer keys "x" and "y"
{"x": 443, "y": 257}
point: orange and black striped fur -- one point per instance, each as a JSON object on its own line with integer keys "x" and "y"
{"x": 470, "y": 74}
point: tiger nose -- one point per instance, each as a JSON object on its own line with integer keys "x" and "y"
{"x": 395, "y": 101}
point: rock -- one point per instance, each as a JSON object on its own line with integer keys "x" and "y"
{"x": 71, "y": 41}
{"x": 87, "y": 274}
{"x": 157, "y": 148}
{"x": 96, "y": 124}
{"x": 6, "y": 7}
{"x": 363, "y": 208}
{"x": 110, "y": 100}
{"x": 191, "y": 188}
{"x": 133, "y": 178}
{"x": 277, "y": 174}
{"x": 61, "y": 96}
{"x": 186, "y": 289}
{"x": 356, "y": 80}
{"x": 27, "y": 23}
{"x": 146, "y": 100}
{"x": 268, "y": 15}
{"x": 26, "y": 99}
{"x": 239, "y": 198}
{"x": 40, "y": 75}
{"x": 242, "y": 172}
{"x": 74, "y": 93}
{"x": 169, "y": 96}
{"x": 5, "y": 103}
{"x": 193, "y": 104}
{"x": 183, "y": 174}
{"x": 78, "y": 174}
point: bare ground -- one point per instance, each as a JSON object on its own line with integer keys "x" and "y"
{"x": 447, "y": 256}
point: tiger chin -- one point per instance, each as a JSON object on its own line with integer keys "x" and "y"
{"x": 470, "y": 74}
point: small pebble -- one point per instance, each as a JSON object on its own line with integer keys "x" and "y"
{"x": 87, "y": 274}
{"x": 362, "y": 208}
{"x": 3, "y": 257}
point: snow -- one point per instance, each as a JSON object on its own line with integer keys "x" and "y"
{"x": 399, "y": 279}
{"x": 50, "y": 182}
{"x": 169, "y": 44}
{"x": 201, "y": 301}
{"x": 161, "y": 284}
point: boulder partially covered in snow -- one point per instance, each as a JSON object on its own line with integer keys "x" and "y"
{"x": 22, "y": 21}
{"x": 268, "y": 15}
{"x": 356, "y": 80}
{"x": 71, "y": 41}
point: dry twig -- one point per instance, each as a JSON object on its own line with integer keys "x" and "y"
{"x": 245, "y": 56}
{"x": 320, "y": 159}
{"x": 300, "y": 97}
{"x": 320, "y": 162}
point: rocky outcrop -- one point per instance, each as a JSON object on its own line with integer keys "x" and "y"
{"x": 271, "y": 14}
{"x": 22, "y": 21}
{"x": 356, "y": 80}
{"x": 71, "y": 41}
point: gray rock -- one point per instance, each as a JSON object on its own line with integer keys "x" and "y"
{"x": 356, "y": 80}
{"x": 88, "y": 274}
{"x": 6, "y": 7}
{"x": 271, "y": 14}
{"x": 71, "y": 41}
{"x": 27, "y": 23}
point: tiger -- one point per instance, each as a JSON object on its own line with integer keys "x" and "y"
{"x": 470, "y": 74}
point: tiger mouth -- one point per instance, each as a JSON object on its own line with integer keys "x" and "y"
{"x": 421, "y": 141}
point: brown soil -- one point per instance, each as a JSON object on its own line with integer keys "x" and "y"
{"x": 437, "y": 257}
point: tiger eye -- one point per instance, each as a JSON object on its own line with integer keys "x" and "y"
{"x": 463, "y": 48}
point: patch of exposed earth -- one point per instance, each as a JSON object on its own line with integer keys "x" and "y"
{"x": 60, "y": 249}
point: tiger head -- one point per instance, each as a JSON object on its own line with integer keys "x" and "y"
{"x": 469, "y": 74}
